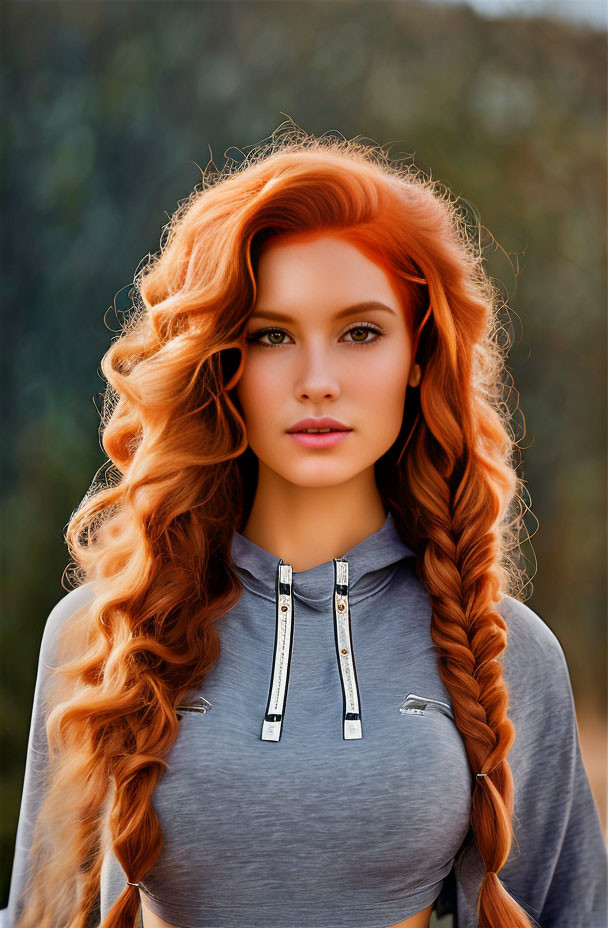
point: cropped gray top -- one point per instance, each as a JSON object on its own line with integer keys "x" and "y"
{"x": 319, "y": 779}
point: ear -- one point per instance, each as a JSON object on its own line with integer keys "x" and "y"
{"x": 415, "y": 375}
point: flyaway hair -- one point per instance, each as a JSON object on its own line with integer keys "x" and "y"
{"x": 153, "y": 532}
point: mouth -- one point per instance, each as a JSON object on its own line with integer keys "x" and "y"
{"x": 319, "y": 438}
{"x": 318, "y": 425}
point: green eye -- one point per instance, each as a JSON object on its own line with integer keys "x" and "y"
{"x": 359, "y": 328}
{"x": 255, "y": 337}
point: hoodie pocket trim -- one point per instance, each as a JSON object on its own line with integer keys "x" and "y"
{"x": 420, "y": 705}
{"x": 199, "y": 705}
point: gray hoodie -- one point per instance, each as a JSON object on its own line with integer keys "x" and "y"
{"x": 319, "y": 779}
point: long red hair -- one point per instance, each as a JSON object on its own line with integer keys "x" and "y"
{"x": 154, "y": 531}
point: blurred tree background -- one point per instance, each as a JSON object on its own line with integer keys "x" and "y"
{"x": 110, "y": 109}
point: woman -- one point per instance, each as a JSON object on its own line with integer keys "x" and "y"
{"x": 286, "y": 668}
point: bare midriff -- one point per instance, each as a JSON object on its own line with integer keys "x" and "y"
{"x": 419, "y": 920}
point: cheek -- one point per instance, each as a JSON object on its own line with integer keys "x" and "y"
{"x": 259, "y": 390}
{"x": 383, "y": 384}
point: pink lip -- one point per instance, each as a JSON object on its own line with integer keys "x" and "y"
{"x": 325, "y": 440}
{"x": 323, "y": 422}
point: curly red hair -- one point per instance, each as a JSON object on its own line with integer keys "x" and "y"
{"x": 155, "y": 534}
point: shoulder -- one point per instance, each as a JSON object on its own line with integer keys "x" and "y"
{"x": 63, "y": 611}
{"x": 527, "y": 630}
{"x": 534, "y": 664}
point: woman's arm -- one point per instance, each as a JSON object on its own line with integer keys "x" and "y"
{"x": 37, "y": 758}
{"x": 558, "y": 866}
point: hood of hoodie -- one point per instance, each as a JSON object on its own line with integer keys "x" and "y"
{"x": 371, "y": 564}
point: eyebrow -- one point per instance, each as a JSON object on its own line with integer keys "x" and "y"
{"x": 365, "y": 306}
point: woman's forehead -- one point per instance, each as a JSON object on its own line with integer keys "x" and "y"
{"x": 327, "y": 270}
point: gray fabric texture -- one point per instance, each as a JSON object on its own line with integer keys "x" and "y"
{"x": 315, "y": 831}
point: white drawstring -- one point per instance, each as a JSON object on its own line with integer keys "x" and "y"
{"x": 351, "y": 712}
{"x": 283, "y": 647}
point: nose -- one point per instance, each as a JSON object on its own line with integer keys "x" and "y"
{"x": 316, "y": 374}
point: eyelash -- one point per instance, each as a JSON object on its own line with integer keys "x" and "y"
{"x": 376, "y": 329}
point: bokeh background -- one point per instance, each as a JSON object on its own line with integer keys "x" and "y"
{"x": 111, "y": 111}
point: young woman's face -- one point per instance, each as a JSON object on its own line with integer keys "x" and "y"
{"x": 311, "y": 353}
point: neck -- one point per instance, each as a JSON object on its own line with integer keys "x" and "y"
{"x": 307, "y": 526}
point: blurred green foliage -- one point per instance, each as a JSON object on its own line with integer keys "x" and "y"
{"x": 109, "y": 109}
